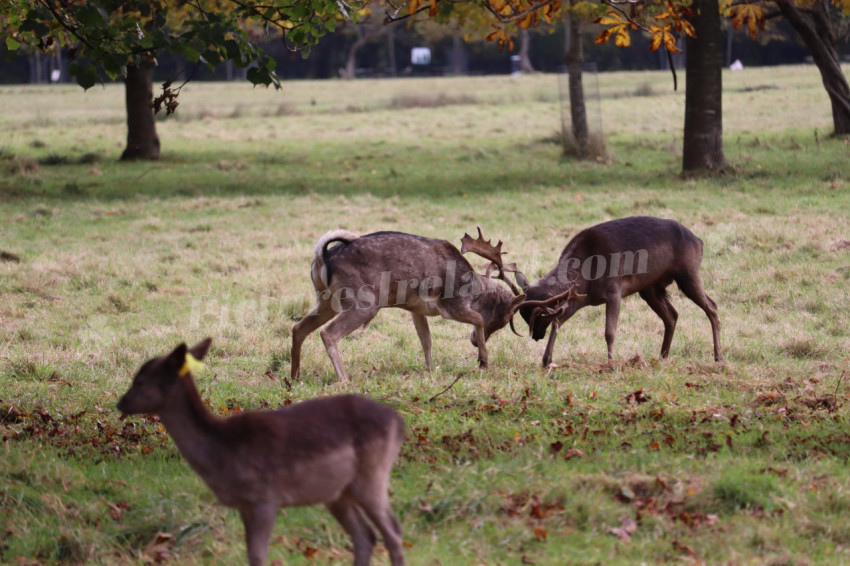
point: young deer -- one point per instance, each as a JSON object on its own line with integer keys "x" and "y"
{"x": 609, "y": 261}
{"x": 426, "y": 277}
{"x": 334, "y": 450}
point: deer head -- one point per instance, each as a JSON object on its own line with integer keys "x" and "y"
{"x": 539, "y": 314}
{"x": 154, "y": 383}
{"x": 494, "y": 253}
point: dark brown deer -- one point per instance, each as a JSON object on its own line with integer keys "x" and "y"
{"x": 609, "y": 261}
{"x": 333, "y": 450}
{"x": 363, "y": 274}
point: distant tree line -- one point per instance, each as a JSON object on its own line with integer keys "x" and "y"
{"x": 380, "y": 56}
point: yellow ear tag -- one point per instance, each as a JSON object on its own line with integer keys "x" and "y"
{"x": 191, "y": 365}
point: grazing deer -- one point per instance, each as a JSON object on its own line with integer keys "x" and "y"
{"x": 334, "y": 450}
{"x": 609, "y": 261}
{"x": 426, "y": 277}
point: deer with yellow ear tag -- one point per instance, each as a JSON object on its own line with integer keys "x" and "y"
{"x": 337, "y": 451}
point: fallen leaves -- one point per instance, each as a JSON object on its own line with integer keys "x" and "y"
{"x": 573, "y": 453}
{"x": 624, "y": 530}
{"x": 668, "y": 500}
{"x": 540, "y": 533}
{"x": 529, "y": 505}
{"x": 158, "y": 550}
{"x": 685, "y": 549}
{"x": 116, "y": 510}
{"x": 103, "y": 432}
{"x": 637, "y": 397}
{"x": 770, "y": 398}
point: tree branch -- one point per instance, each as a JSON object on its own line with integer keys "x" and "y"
{"x": 60, "y": 18}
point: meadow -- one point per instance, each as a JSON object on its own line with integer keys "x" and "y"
{"x": 106, "y": 264}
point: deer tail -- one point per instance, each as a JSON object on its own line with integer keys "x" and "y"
{"x": 321, "y": 270}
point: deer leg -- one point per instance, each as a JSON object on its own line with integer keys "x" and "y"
{"x": 344, "y": 324}
{"x": 259, "y": 524}
{"x": 692, "y": 287}
{"x": 420, "y": 321}
{"x": 659, "y": 302}
{"x": 612, "y": 314}
{"x": 478, "y": 339}
{"x": 375, "y": 501}
{"x": 550, "y": 345}
{"x": 482, "y": 345}
{"x": 349, "y": 515}
{"x": 318, "y": 315}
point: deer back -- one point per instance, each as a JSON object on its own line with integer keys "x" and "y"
{"x": 397, "y": 269}
{"x": 630, "y": 253}
{"x": 620, "y": 256}
{"x": 305, "y": 453}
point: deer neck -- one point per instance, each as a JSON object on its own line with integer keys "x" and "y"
{"x": 494, "y": 299}
{"x": 193, "y": 428}
{"x": 559, "y": 280}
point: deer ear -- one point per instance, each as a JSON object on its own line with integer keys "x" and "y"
{"x": 521, "y": 280}
{"x": 200, "y": 349}
{"x": 177, "y": 358}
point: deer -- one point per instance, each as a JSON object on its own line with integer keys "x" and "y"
{"x": 337, "y": 451}
{"x": 360, "y": 275}
{"x": 612, "y": 260}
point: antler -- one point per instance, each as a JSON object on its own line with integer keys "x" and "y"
{"x": 487, "y": 250}
{"x": 551, "y": 307}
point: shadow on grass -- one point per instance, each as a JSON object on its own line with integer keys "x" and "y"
{"x": 335, "y": 171}
{"x": 351, "y": 169}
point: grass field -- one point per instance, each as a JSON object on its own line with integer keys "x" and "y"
{"x": 105, "y": 264}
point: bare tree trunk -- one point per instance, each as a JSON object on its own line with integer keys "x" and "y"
{"x": 575, "y": 60}
{"x": 457, "y": 53}
{"x": 365, "y": 33}
{"x": 814, "y": 26}
{"x": 525, "y": 65}
{"x": 350, "y": 71}
{"x": 142, "y": 141}
{"x": 393, "y": 65}
{"x": 703, "y": 137}
{"x": 35, "y": 67}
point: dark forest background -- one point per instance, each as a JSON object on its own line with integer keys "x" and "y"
{"x": 387, "y": 54}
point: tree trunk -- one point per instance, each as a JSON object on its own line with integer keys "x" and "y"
{"x": 142, "y": 141}
{"x": 525, "y": 65}
{"x": 391, "y": 58}
{"x": 703, "y": 138}
{"x": 364, "y": 36}
{"x": 458, "y": 65}
{"x": 350, "y": 71}
{"x": 575, "y": 60}
{"x": 35, "y": 67}
{"x": 814, "y": 26}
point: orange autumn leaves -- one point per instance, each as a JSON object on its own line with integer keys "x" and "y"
{"x": 750, "y": 15}
{"x": 663, "y": 32}
{"x": 416, "y": 5}
{"x": 524, "y": 14}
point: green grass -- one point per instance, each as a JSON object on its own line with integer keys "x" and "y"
{"x": 104, "y": 264}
